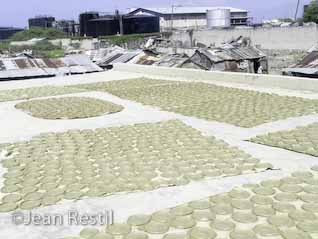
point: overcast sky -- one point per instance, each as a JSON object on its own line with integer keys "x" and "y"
{"x": 16, "y": 12}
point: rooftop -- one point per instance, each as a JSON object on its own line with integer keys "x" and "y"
{"x": 25, "y": 67}
{"x": 187, "y": 9}
{"x": 209, "y": 150}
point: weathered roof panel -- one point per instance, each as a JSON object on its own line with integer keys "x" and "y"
{"x": 23, "y": 67}
{"x": 125, "y": 57}
{"x": 308, "y": 66}
{"x": 175, "y": 60}
{"x": 310, "y": 60}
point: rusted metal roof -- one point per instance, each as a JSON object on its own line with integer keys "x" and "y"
{"x": 23, "y": 67}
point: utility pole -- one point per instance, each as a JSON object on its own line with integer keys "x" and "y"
{"x": 172, "y": 14}
{"x": 297, "y": 8}
{"x": 172, "y": 10}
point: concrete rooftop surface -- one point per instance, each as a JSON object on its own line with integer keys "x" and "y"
{"x": 174, "y": 153}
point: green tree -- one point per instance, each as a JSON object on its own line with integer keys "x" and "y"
{"x": 38, "y": 32}
{"x": 311, "y": 13}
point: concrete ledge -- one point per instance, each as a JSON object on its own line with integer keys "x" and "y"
{"x": 266, "y": 81}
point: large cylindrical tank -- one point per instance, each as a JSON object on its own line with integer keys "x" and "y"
{"x": 141, "y": 24}
{"x": 219, "y": 17}
{"x": 84, "y": 19}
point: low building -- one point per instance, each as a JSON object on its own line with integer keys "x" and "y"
{"x": 189, "y": 17}
{"x": 246, "y": 59}
{"x": 70, "y": 27}
{"x": 42, "y": 21}
{"x": 7, "y": 32}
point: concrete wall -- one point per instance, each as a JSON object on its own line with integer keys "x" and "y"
{"x": 291, "y": 38}
{"x": 61, "y": 42}
{"x": 172, "y": 50}
{"x": 266, "y": 81}
{"x": 85, "y": 44}
{"x": 194, "y": 22}
{"x": 91, "y": 44}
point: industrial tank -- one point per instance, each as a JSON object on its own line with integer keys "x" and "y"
{"x": 218, "y": 18}
{"x": 84, "y": 19}
{"x": 137, "y": 24}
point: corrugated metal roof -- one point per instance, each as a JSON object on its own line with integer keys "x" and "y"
{"x": 232, "y": 54}
{"x": 25, "y": 73}
{"x": 308, "y": 66}
{"x": 98, "y": 55}
{"x": 190, "y": 9}
{"x": 228, "y": 58}
{"x": 126, "y": 57}
{"x": 175, "y": 60}
{"x": 117, "y": 56}
{"x": 23, "y": 67}
{"x": 305, "y": 71}
{"x": 309, "y": 61}
{"x": 109, "y": 58}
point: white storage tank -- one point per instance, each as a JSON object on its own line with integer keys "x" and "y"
{"x": 219, "y": 17}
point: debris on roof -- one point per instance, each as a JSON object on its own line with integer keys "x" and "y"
{"x": 307, "y": 67}
{"x": 146, "y": 57}
{"x": 173, "y": 60}
{"x": 25, "y": 67}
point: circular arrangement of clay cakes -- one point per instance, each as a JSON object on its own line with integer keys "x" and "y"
{"x": 35, "y": 92}
{"x": 301, "y": 139}
{"x": 285, "y": 208}
{"x": 89, "y": 163}
{"x": 68, "y": 108}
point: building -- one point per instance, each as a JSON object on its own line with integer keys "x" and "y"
{"x": 7, "y": 32}
{"x": 189, "y": 17}
{"x": 41, "y": 21}
{"x": 93, "y": 24}
{"x": 70, "y": 27}
{"x": 246, "y": 59}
